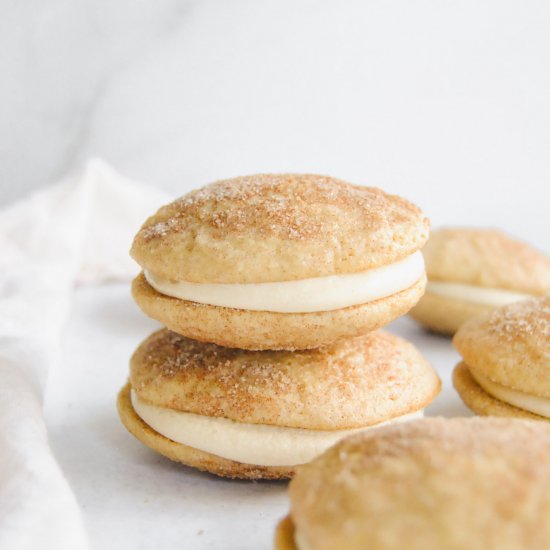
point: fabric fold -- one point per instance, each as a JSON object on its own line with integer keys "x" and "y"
{"x": 75, "y": 232}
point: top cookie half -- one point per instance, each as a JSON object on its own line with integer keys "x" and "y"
{"x": 488, "y": 259}
{"x": 278, "y": 227}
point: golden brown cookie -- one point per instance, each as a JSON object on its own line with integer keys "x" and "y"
{"x": 280, "y": 261}
{"x": 268, "y": 330}
{"x": 472, "y": 271}
{"x": 506, "y": 365}
{"x": 278, "y": 227}
{"x": 458, "y": 483}
{"x": 482, "y": 403}
{"x": 266, "y": 411}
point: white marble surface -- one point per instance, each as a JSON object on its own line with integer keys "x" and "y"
{"x": 443, "y": 102}
{"x": 133, "y": 498}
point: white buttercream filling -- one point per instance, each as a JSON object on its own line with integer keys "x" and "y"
{"x": 475, "y": 294}
{"x": 258, "y": 444}
{"x": 532, "y": 403}
{"x": 301, "y": 296}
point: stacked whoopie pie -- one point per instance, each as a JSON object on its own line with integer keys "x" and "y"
{"x": 271, "y": 289}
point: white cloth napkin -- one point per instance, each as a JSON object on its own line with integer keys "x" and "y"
{"x": 78, "y": 231}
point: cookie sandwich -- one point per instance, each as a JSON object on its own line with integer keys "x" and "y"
{"x": 453, "y": 484}
{"x": 259, "y": 414}
{"x": 280, "y": 261}
{"x": 472, "y": 271}
{"x": 506, "y": 361}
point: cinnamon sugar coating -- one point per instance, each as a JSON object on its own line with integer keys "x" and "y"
{"x": 510, "y": 345}
{"x": 256, "y": 330}
{"x": 352, "y": 384}
{"x": 474, "y": 483}
{"x": 278, "y": 227}
{"x": 487, "y": 258}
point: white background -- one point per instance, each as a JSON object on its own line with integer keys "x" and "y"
{"x": 446, "y": 103}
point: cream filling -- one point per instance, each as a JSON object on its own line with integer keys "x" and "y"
{"x": 475, "y": 294}
{"x": 532, "y": 403}
{"x": 258, "y": 444}
{"x": 301, "y": 296}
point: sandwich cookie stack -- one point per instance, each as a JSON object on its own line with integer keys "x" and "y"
{"x": 271, "y": 288}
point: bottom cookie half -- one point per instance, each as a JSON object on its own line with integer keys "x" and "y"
{"x": 188, "y": 455}
{"x": 479, "y": 401}
{"x": 444, "y": 315}
{"x": 267, "y": 330}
